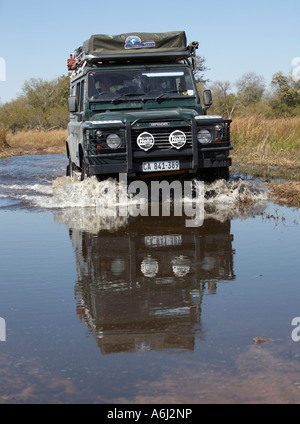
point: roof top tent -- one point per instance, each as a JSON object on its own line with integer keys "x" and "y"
{"x": 140, "y": 46}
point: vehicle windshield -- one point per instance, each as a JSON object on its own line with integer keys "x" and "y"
{"x": 119, "y": 85}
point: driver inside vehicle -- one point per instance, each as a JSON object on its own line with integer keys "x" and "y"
{"x": 101, "y": 87}
{"x": 105, "y": 84}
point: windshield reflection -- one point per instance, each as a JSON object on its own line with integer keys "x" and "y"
{"x": 124, "y": 84}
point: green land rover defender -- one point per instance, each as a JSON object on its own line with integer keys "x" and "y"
{"x": 135, "y": 109}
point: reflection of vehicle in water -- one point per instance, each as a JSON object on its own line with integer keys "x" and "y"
{"x": 141, "y": 287}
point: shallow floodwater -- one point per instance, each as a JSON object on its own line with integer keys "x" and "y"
{"x": 120, "y": 309}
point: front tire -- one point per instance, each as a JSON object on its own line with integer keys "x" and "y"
{"x": 212, "y": 174}
{"x": 224, "y": 173}
{"x": 84, "y": 174}
{"x": 70, "y": 168}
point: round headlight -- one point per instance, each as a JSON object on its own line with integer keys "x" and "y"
{"x": 149, "y": 267}
{"x": 204, "y": 136}
{"x": 113, "y": 141}
{"x": 145, "y": 141}
{"x": 118, "y": 266}
{"x": 99, "y": 133}
{"x": 181, "y": 266}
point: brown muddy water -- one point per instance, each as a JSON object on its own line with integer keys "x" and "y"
{"x": 131, "y": 310}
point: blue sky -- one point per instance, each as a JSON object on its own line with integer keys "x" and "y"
{"x": 235, "y": 36}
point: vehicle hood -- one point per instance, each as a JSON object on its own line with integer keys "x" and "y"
{"x": 131, "y": 116}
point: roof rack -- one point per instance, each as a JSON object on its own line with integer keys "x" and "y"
{"x": 102, "y": 49}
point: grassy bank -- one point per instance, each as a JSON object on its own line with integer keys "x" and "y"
{"x": 32, "y": 142}
{"x": 268, "y": 148}
{"x": 265, "y": 134}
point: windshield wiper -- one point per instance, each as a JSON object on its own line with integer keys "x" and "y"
{"x": 168, "y": 92}
{"x": 127, "y": 95}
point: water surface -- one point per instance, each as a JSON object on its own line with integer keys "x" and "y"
{"x": 103, "y": 309}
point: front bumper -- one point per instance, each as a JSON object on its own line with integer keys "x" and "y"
{"x": 192, "y": 157}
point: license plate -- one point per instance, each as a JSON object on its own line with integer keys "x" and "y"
{"x": 169, "y": 165}
{"x": 162, "y": 240}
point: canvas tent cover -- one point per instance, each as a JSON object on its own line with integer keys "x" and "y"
{"x": 135, "y": 43}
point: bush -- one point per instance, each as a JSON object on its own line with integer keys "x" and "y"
{"x": 3, "y": 141}
{"x": 42, "y": 105}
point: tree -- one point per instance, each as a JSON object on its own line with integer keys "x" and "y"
{"x": 3, "y": 141}
{"x": 43, "y": 104}
{"x": 286, "y": 93}
{"x": 44, "y": 96}
{"x": 224, "y": 101}
{"x": 200, "y": 68}
{"x": 17, "y": 115}
{"x": 250, "y": 88}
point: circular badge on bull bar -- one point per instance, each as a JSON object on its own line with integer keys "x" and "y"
{"x": 177, "y": 139}
{"x": 145, "y": 141}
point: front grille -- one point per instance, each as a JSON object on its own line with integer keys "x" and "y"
{"x": 161, "y": 137}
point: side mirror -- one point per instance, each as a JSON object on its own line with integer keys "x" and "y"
{"x": 72, "y": 104}
{"x": 207, "y": 98}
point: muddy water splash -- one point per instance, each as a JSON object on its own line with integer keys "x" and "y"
{"x": 91, "y": 205}
{"x": 71, "y": 193}
{"x": 94, "y": 206}
{"x": 222, "y": 198}
{"x": 37, "y": 182}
